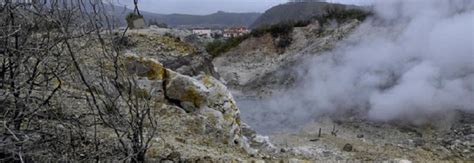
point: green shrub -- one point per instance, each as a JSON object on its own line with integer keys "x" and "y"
{"x": 121, "y": 43}
{"x": 284, "y": 41}
{"x": 259, "y": 32}
{"x": 302, "y": 23}
{"x": 280, "y": 29}
{"x": 341, "y": 14}
{"x": 132, "y": 17}
{"x": 218, "y": 47}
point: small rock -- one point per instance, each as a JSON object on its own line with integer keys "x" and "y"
{"x": 327, "y": 153}
{"x": 418, "y": 142}
{"x": 174, "y": 156}
{"x": 181, "y": 140}
{"x": 360, "y": 136}
{"x": 402, "y": 161}
{"x": 467, "y": 144}
{"x": 204, "y": 159}
{"x": 236, "y": 142}
{"x": 347, "y": 148}
{"x": 457, "y": 141}
{"x": 266, "y": 157}
{"x": 247, "y": 131}
{"x": 283, "y": 150}
{"x": 166, "y": 161}
{"x": 293, "y": 160}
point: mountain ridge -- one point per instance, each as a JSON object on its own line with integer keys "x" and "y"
{"x": 219, "y": 19}
{"x": 295, "y": 11}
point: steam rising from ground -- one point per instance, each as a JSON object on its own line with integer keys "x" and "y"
{"x": 413, "y": 62}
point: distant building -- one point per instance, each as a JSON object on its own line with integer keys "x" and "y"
{"x": 235, "y": 32}
{"x": 203, "y": 32}
{"x": 217, "y": 33}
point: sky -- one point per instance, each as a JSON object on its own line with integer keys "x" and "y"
{"x": 203, "y": 7}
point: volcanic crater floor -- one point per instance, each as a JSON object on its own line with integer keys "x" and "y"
{"x": 325, "y": 139}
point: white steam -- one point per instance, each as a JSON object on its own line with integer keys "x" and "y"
{"x": 413, "y": 62}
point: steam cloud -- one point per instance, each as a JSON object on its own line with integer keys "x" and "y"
{"x": 413, "y": 62}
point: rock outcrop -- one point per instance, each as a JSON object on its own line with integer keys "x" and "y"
{"x": 257, "y": 66}
{"x": 172, "y": 48}
{"x": 194, "y": 111}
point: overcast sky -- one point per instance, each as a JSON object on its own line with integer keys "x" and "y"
{"x": 203, "y": 7}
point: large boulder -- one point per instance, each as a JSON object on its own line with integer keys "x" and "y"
{"x": 198, "y": 110}
{"x": 187, "y": 92}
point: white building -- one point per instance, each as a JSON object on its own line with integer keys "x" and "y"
{"x": 235, "y": 32}
{"x": 203, "y": 32}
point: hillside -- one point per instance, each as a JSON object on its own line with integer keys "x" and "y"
{"x": 294, "y": 11}
{"x": 218, "y": 20}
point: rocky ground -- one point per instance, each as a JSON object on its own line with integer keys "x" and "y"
{"x": 254, "y": 70}
{"x": 198, "y": 119}
{"x": 257, "y": 67}
{"x": 330, "y": 137}
{"x": 371, "y": 141}
{"x": 165, "y": 85}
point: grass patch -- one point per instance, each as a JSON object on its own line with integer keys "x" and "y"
{"x": 132, "y": 17}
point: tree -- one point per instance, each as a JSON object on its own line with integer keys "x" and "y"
{"x": 58, "y": 57}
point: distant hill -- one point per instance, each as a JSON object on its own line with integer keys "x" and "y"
{"x": 294, "y": 11}
{"x": 217, "y": 20}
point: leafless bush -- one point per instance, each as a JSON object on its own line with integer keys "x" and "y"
{"x": 63, "y": 83}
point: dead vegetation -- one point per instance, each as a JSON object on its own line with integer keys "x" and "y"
{"x": 58, "y": 98}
